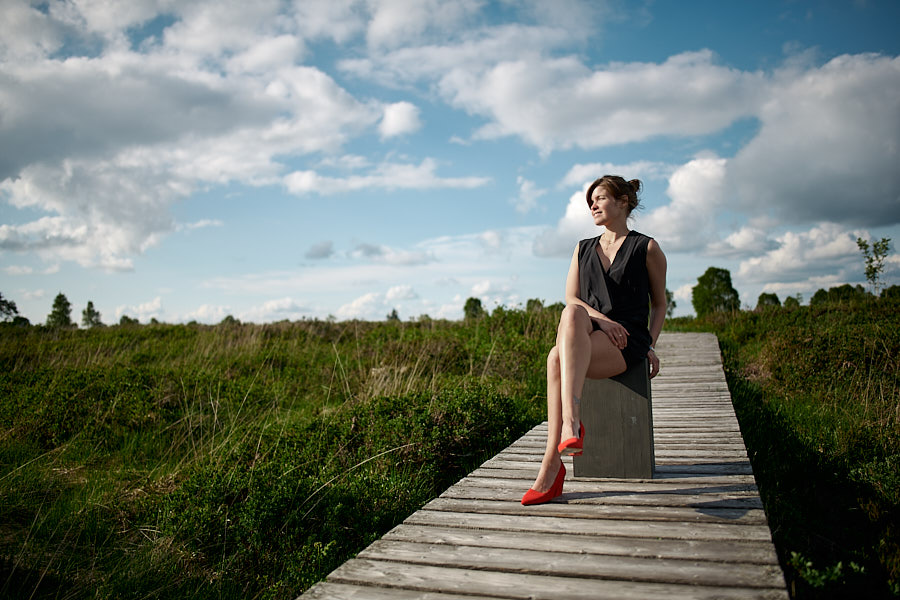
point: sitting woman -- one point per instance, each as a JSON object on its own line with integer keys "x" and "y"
{"x": 614, "y": 281}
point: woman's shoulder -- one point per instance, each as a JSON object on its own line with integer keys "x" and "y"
{"x": 586, "y": 244}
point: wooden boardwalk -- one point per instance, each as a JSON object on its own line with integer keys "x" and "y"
{"x": 696, "y": 530}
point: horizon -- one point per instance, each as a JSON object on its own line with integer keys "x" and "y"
{"x": 189, "y": 161}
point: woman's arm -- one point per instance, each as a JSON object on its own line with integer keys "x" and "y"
{"x": 617, "y": 334}
{"x": 656, "y": 271}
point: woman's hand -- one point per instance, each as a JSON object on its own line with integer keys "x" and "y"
{"x": 617, "y": 334}
{"x": 654, "y": 363}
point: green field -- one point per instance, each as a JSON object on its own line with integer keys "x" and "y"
{"x": 248, "y": 461}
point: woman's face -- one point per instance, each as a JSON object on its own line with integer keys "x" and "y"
{"x": 604, "y": 208}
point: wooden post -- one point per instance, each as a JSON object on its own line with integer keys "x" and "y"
{"x": 618, "y": 421}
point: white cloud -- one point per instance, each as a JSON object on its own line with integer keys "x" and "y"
{"x": 575, "y": 225}
{"x": 827, "y": 148}
{"x": 687, "y": 223}
{"x": 746, "y": 241}
{"x": 401, "y": 292}
{"x": 142, "y": 312}
{"x": 584, "y": 174}
{"x": 820, "y": 251}
{"x": 399, "y": 118}
{"x": 398, "y": 22}
{"x": 388, "y": 176}
{"x": 17, "y": 270}
{"x": 559, "y": 103}
{"x": 362, "y": 307}
{"x": 201, "y": 224}
{"x": 274, "y": 310}
{"x": 528, "y": 196}
{"x": 206, "y": 313}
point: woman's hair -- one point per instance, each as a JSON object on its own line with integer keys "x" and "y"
{"x": 619, "y": 189}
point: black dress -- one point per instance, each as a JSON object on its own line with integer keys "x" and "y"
{"x": 623, "y": 292}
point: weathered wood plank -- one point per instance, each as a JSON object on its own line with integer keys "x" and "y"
{"x": 528, "y": 586}
{"x": 754, "y": 552}
{"x": 608, "y": 527}
{"x": 569, "y": 562}
{"x": 579, "y": 506}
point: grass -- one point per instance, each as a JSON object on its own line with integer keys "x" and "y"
{"x": 248, "y": 461}
{"x": 241, "y": 461}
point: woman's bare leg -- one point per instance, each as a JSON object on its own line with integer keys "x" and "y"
{"x": 573, "y": 339}
{"x": 603, "y": 360}
{"x": 551, "y": 462}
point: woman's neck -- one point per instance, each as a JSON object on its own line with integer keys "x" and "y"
{"x": 614, "y": 231}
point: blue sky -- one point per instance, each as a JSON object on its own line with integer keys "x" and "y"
{"x": 187, "y": 160}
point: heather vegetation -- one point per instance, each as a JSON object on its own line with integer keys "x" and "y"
{"x": 239, "y": 460}
{"x": 248, "y": 461}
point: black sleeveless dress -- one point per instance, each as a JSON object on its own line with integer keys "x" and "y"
{"x": 623, "y": 292}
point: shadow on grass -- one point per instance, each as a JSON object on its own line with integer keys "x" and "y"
{"x": 822, "y": 534}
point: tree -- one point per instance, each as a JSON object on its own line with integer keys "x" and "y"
{"x": 61, "y": 314}
{"x": 534, "y": 305}
{"x": 874, "y": 260}
{"x": 393, "y": 316}
{"x": 670, "y": 303}
{"x": 714, "y": 293}
{"x": 473, "y": 309}
{"x": 768, "y": 299}
{"x": 90, "y": 317}
{"x": 127, "y": 321}
{"x": 792, "y": 301}
{"x": 8, "y": 309}
{"x": 841, "y": 294}
{"x": 891, "y": 293}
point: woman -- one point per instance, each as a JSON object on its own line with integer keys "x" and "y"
{"x": 603, "y": 329}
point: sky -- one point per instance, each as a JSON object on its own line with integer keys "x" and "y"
{"x": 277, "y": 159}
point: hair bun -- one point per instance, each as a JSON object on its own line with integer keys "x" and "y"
{"x": 635, "y": 185}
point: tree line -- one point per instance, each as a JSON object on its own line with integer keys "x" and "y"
{"x": 713, "y": 293}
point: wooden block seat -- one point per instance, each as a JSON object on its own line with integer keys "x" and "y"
{"x": 618, "y": 420}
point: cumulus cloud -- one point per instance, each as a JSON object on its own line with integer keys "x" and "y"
{"x": 576, "y": 224}
{"x": 559, "y": 102}
{"x": 362, "y": 307}
{"x": 827, "y": 148}
{"x": 820, "y": 251}
{"x": 388, "y": 176}
{"x": 142, "y": 312}
{"x": 687, "y": 223}
{"x": 275, "y": 310}
{"x": 401, "y": 292}
{"x": 529, "y": 193}
{"x": 399, "y": 118}
{"x": 583, "y": 174}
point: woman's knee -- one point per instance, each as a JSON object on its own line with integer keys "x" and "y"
{"x": 553, "y": 368}
{"x": 573, "y": 317}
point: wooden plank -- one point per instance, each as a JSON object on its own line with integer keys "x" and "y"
{"x": 528, "y": 586}
{"x": 753, "y": 552}
{"x": 573, "y": 506}
{"x": 572, "y": 563}
{"x": 606, "y": 527}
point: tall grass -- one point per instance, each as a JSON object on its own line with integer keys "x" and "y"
{"x": 817, "y": 393}
{"x": 248, "y": 461}
{"x": 242, "y": 461}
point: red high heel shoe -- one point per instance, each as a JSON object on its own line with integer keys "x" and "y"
{"x": 571, "y": 445}
{"x": 536, "y": 497}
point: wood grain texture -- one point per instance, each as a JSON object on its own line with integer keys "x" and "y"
{"x": 695, "y": 529}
